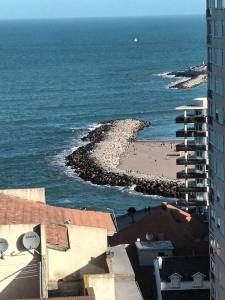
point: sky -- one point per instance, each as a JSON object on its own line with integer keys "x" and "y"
{"x": 20, "y": 9}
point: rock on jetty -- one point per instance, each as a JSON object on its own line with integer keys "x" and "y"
{"x": 195, "y": 76}
{"x": 98, "y": 160}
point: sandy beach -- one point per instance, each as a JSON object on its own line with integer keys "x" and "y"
{"x": 115, "y": 157}
{"x": 154, "y": 158}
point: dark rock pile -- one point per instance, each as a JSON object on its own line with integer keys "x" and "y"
{"x": 87, "y": 169}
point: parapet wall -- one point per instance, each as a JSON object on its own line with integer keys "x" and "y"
{"x": 33, "y": 194}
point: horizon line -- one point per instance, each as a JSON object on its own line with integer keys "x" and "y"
{"x": 98, "y": 17}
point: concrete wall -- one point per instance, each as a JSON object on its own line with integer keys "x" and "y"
{"x": 36, "y": 194}
{"x": 157, "y": 279}
{"x": 147, "y": 257}
{"x": 19, "y": 275}
{"x": 103, "y": 285}
{"x": 86, "y": 243}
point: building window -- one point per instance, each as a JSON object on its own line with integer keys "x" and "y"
{"x": 218, "y": 223}
{"x": 224, "y": 57}
{"x": 217, "y": 28}
{"x": 198, "y": 279}
{"x": 216, "y": 114}
{"x": 175, "y": 280}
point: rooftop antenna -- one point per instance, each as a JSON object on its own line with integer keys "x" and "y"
{"x": 3, "y": 247}
{"x": 31, "y": 241}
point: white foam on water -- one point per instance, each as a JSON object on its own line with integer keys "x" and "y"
{"x": 94, "y": 126}
{"x": 165, "y": 75}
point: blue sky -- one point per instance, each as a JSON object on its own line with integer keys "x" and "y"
{"x": 97, "y": 8}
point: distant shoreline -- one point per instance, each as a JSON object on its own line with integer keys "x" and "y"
{"x": 98, "y": 161}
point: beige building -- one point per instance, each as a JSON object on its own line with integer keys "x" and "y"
{"x": 52, "y": 252}
{"x": 216, "y": 100}
{"x": 72, "y": 243}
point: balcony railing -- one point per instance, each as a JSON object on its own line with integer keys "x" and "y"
{"x": 191, "y": 133}
{"x": 192, "y": 174}
{"x": 191, "y": 160}
{"x": 192, "y": 189}
{"x": 190, "y": 146}
{"x": 191, "y": 119}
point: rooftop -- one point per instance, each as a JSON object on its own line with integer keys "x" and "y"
{"x": 186, "y": 266}
{"x": 156, "y": 245}
{"x": 15, "y": 210}
{"x": 202, "y": 104}
{"x": 188, "y": 233}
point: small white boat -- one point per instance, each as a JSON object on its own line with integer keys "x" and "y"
{"x": 136, "y": 40}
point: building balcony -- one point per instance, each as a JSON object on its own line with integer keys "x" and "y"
{"x": 191, "y": 119}
{"x": 191, "y": 160}
{"x": 192, "y": 174}
{"x": 191, "y": 146}
{"x": 191, "y": 132}
{"x": 210, "y": 120}
{"x": 193, "y": 188}
{"x": 208, "y": 13}
{"x": 210, "y": 93}
{"x": 209, "y": 67}
{"x": 209, "y": 39}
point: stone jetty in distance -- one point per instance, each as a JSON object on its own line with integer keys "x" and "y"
{"x": 113, "y": 157}
{"x": 192, "y": 77}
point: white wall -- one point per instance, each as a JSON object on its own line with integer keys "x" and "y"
{"x": 103, "y": 285}
{"x": 85, "y": 243}
{"x": 19, "y": 270}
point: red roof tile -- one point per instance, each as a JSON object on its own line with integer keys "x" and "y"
{"x": 186, "y": 232}
{"x": 15, "y": 210}
{"x": 57, "y": 236}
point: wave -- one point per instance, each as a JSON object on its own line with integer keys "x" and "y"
{"x": 94, "y": 126}
{"x": 165, "y": 75}
{"x": 59, "y": 160}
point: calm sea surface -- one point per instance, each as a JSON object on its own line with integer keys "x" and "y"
{"x": 59, "y": 78}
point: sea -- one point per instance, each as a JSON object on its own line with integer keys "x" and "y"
{"x": 61, "y": 78}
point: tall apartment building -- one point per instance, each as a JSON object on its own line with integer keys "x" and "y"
{"x": 216, "y": 102}
{"x": 193, "y": 151}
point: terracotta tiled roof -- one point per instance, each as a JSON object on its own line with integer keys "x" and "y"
{"x": 57, "y": 237}
{"x": 15, "y": 210}
{"x": 186, "y": 232}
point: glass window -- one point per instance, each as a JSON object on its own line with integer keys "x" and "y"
{"x": 198, "y": 280}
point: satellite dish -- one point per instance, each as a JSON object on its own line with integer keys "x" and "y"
{"x": 31, "y": 240}
{"x": 3, "y": 245}
{"x": 149, "y": 236}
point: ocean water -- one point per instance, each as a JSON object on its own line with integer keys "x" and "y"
{"x": 60, "y": 78}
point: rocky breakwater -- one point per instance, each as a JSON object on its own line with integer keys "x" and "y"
{"x": 98, "y": 160}
{"x": 193, "y": 77}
